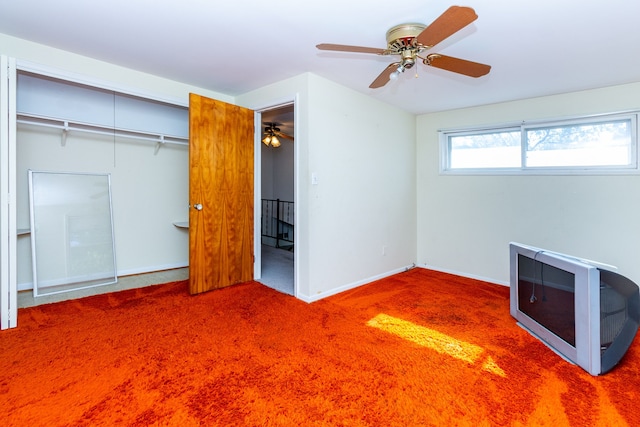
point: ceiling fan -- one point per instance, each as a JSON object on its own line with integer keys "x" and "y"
{"x": 410, "y": 40}
{"x": 272, "y": 133}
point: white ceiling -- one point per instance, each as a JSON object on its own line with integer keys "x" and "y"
{"x": 535, "y": 47}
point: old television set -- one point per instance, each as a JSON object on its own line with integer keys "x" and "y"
{"x": 583, "y": 310}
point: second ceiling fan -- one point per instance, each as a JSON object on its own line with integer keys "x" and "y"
{"x": 409, "y": 41}
{"x": 272, "y": 133}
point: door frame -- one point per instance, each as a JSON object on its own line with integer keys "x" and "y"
{"x": 257, "y": 175}
{"x": 8, "y": 227}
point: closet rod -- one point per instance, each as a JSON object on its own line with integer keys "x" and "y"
{"x": 100, "y": 130}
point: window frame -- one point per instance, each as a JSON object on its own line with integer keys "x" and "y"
{"x": 445, "y": 135}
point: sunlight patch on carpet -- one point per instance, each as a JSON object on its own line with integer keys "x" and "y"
{"x": 435, "y": 340}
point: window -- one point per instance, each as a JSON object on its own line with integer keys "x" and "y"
{"x": 593, "y": 144}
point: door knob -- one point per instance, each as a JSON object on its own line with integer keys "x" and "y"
{"x": 197, "y": 207}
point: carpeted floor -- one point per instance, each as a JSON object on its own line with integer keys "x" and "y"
{"x": 419, "y": 348}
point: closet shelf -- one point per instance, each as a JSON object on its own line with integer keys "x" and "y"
{"x": 68, "y": 126}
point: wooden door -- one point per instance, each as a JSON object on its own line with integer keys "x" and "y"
{"x": 221, "y": 138}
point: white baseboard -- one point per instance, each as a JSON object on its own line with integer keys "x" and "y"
{"x": 463, "y": 274}
{"x": 142, "y": 270}
{"x": 335, "y": 291}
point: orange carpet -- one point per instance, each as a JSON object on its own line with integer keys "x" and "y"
{"x": 416, "y": 349}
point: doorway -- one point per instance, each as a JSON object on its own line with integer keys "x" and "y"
{"x": 277, "y": 204}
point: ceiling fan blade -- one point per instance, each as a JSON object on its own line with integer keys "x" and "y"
{"x": 384, "y": 76}
{"x": 452, "y": 20}
{"x": 284, "y": 135}
{"x": 347, "y": 48}
{"x": 460, "y": 66}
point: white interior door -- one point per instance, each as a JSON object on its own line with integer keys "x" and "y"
{"x": 8, "y": 231}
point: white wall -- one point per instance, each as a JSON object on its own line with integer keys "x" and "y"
{"x": 149, "y": 191}
{"x": 362, "y": 212}
{"x": 266, "y": 175}
{"x": 466, "y": 222}
{"x": 283, "y": 171}
{"x": 278, "y": 171}
{"x": 358, "y": 222}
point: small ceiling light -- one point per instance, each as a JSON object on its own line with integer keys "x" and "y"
{"x": 270, "y": 139}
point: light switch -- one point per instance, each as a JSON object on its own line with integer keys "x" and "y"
{"x": 314, "y": 178}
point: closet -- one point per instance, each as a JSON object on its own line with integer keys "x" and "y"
{"x": 66, "y": 126}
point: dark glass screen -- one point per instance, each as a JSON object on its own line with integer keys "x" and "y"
{"x": 547, "y": 295}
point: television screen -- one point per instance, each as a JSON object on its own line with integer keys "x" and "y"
{"x": 546, "y": 293}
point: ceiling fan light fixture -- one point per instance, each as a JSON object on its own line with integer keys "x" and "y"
{"x": 395, "y": 74}
{"x": 272, "y": 135}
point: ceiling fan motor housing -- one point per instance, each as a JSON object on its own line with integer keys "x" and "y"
{"x": 402, "y": 37}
